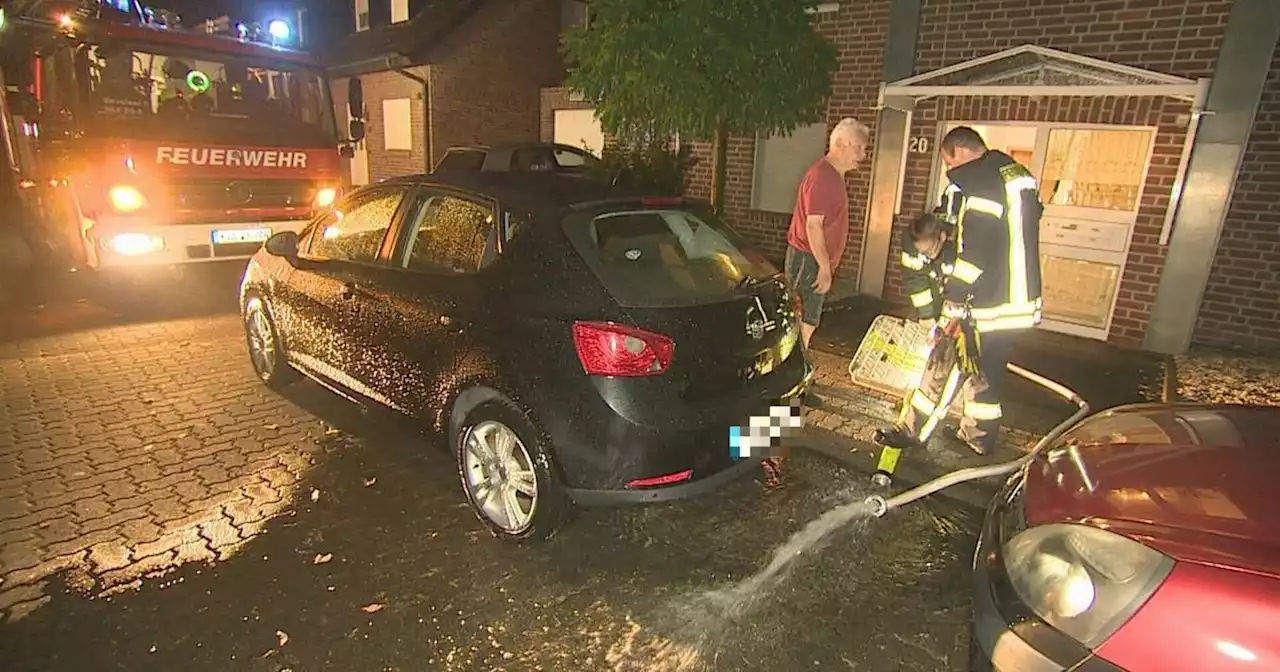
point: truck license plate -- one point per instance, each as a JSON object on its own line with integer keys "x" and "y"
{"x": 241, "y": 236}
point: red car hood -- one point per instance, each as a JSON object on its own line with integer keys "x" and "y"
{"x": 1196, "y": 482}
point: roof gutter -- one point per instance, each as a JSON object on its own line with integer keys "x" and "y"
{"x": 426, "y": 108}
{"x": 373, "y": 64}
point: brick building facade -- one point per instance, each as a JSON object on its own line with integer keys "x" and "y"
{"x": 457, "y": 73}
{"x": 1161, "y": 45}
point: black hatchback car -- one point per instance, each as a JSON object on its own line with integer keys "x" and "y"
{"x": 575, "y": 344}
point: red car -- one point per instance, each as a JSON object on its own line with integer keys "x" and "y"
{"x": 1147, "y": 539}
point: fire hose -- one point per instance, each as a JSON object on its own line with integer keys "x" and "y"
{"x": 881, "y": 506}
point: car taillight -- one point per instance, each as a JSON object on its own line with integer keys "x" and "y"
{"x": 608, "y": 349}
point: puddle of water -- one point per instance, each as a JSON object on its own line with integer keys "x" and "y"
{"x": 704, "y": 621}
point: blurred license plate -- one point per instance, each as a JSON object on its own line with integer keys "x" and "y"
{"x": 241, "y": 236}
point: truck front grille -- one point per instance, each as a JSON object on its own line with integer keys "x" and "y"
{"x": 220, "y": 194}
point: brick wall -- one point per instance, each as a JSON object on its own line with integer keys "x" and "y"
{"x": 1242, "y": 301}
{"x": 1180, "y": 37}
{"x": 380, "y": 86}
{"x": 486, "y": 81}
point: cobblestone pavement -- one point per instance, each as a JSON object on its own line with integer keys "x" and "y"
{"x": 142, "y": 467}
{"x": 128, "y": 450}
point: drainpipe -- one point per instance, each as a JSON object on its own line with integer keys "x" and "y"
{"x": 426, "y": 107}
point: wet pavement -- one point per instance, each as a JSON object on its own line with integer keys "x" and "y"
{"x": 160, "y": 509}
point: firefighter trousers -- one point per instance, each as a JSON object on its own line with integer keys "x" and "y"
{"x": 944, "y": 383}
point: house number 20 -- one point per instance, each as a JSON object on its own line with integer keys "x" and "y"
{"x": 918, "y": 146}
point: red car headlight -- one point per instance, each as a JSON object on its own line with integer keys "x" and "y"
{"x": 1082, "y": 580}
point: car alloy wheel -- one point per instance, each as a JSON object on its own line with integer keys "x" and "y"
{"x": 262, "y": 343}
{"x": 265, "y": 353}
{"x": 500, "y": 476}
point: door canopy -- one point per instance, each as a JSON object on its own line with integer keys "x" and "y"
{"x": 1031, "y": 70}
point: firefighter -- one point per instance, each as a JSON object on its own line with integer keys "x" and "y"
{"x": 928, "y": 257}
{"x": 990, "y": 295}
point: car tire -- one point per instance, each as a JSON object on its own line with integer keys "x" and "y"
{"x": 483, "y": 432}
{"x": 266, "y": 355}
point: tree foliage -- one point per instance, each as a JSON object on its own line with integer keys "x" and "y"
{"x": 702, "y": 68}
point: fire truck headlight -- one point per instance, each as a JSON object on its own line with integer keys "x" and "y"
{"x": 135, "y": 244}
{"x": 126, "y": 199}
{"x": 325, "y": 197}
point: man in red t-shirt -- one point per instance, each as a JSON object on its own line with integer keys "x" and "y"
{"x": 818, "y": 233}
{"x": 820, "y": 224}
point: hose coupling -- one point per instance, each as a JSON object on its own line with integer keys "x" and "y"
{"x": 878, "y": 505}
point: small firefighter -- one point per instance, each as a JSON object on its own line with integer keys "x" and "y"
{"x": 928, "y": 259}
{"x": 989, "y": 295}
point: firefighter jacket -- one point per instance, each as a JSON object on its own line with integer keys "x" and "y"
{"x": 923, "y": 277}
{"x": 994, "y": 205}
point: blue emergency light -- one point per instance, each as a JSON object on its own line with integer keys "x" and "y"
{"x": 279, "y": 29}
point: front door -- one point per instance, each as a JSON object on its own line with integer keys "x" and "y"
{"x": 327, "y": 332}
{"x": 1091, "y": 184}
{"x": 436, "y": 304}
{"x": 1091, "y": 180}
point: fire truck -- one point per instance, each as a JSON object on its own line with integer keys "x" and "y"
{"x": 142, "y": 143}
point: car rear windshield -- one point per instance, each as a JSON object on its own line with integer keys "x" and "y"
{"x": 663, "y": 257}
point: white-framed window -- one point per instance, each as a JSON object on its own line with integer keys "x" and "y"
{"x": 780, "y": 164}
{"x": 397, "y": 125}
{"x": 399, "y": 11}
{"x": 362, "y": 15}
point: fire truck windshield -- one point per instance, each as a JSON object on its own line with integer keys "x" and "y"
{"x": 154, "y": 91}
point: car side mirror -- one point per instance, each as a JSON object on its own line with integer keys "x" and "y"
{"x": 283, "y": 244}
{"x": 356, "y": 129}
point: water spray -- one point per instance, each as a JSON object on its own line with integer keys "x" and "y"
{"x": 881, "y": 506}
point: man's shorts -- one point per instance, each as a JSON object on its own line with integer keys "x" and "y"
{"x": 802, "y": 272}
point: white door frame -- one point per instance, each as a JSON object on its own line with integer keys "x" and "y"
{"x": 360, "y": 155}
{"x": 1128, "y": 219}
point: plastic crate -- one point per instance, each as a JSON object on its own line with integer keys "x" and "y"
{"x": 892, "y": 356}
